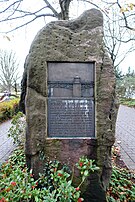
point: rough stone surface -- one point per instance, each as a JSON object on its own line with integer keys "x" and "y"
{"x": 80, "y": 40}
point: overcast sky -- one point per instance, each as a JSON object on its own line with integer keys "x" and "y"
{"x": 21, "y": 39}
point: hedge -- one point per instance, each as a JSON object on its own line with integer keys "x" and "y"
{"x": 8, "y": 109}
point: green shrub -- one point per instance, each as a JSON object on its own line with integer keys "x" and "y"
{"x": 8, "y": 109}
{"x": 122, "y": 186}
{"x": 17, "y": 129}
{"x": 17, "y": 183}
{"x": 122, "y": 183}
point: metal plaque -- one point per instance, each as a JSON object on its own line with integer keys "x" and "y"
{"x": 71, "y": 100}
{"x": 71, "y": 117}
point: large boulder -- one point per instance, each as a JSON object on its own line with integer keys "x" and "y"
{"x": 79, "y": 40}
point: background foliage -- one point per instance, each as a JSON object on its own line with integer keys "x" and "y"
{"x": 125, "y": 84}
{"x": 8, "y": 109}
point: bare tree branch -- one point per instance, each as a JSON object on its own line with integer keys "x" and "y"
{"x": 113, "y": 40}
{"x": 27, "y": 14}
{"x": 14, "y": 10}
{"x": 31, "y": 13}
{"x": 10, "y": 6}
{"x": 114, "y": 37}
{"x": 125, "y": 18}
{"x": 64, "y": 14}
{"x": 30, "y": 21}
{"x": 52, "y": 8}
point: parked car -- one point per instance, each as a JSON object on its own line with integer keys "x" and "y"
{"x": 8, "y": 97}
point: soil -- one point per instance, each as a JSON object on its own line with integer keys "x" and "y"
{"x": 120, "y": 163}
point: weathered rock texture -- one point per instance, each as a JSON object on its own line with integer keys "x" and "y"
{"x": 79, "y": 40}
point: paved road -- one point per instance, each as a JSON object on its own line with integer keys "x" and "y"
{"x": 6, "y": 143}
{"x": 125, "y": 133}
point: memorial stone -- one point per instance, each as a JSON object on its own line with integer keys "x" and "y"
{"x": 69, "y": 89}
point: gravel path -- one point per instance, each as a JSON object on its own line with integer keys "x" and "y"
{"x": 6, "y": 143}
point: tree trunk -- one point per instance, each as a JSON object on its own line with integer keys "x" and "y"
{"x": 64, "y": 4}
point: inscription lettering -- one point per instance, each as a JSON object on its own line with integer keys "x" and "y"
{"x": 71, "y": 117}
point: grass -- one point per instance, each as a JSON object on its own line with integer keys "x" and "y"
{"x": 128, "y": 102}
